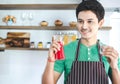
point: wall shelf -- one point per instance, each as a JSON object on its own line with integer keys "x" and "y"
{"x": 17, "y": 48}
{"x": 47, "y": 28}
{"x": 37, "y": 6}
{"x": 45, "y": 7}
{"x": 106, "y": 28}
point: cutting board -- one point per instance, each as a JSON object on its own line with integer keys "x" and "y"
{"x": 18, "y": 35}
{"x": 18, "y": 39}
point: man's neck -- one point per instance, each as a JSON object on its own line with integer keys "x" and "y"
{"x": 88, "y": 42}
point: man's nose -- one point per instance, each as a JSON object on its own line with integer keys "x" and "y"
{"x": 85, "y": 25}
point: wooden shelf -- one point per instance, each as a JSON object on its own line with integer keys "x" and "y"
{"x": 44, "y": 7}
{"x": 106, "y": 28}
{"x": 38, "y": 27}
{"x": 16, "y": 48}
{"x": 47, "y": 28}
{"x": 37, "y": 6}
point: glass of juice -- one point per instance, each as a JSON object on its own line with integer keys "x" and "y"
{"x": 60, "y": 53}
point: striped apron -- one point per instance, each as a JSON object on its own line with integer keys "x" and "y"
{"x": 87, "y": 72}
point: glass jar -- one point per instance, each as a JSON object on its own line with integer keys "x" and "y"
{"x": 32, "y": 45}
{"x": 66, "y": 38}
{"x": 48, "y": 44}
{"x": 40, "y": 45}
{"x": 73, "y": 37}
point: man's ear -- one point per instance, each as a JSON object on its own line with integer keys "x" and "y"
{"x": 101, "y": 23}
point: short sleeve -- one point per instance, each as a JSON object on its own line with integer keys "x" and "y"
{"x": 110, "y": 70}
{"x": 59, "y": 66}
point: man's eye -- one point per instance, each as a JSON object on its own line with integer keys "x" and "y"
{"x": 80, "y": 21}
{"x": 89, "y": 21}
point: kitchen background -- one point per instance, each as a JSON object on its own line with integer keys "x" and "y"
{"x": 27, "y": 66}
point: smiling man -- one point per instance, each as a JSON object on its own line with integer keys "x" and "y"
{"x": 83, "y": 63}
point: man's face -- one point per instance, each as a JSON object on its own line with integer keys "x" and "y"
{"x": 88, "y": 24}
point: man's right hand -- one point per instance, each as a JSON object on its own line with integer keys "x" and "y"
{"x": 55, "y": 46}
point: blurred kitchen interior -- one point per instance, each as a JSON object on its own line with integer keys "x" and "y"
{"x": 27, "y": 66}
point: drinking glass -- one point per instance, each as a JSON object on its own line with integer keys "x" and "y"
{"x": 101, "y": 48}
{"x": 23, "y": 18}
{"x": 30, "y": 18}
{"x": 60, "y": 53}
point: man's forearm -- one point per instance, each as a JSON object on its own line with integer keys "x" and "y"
{"x": 48, "y": 75}
{"x": 115, "y": 76}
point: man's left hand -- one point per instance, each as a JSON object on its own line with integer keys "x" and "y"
{"x": 112, "y": 56}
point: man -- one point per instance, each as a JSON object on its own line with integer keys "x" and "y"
{"x": 83, "y": 63}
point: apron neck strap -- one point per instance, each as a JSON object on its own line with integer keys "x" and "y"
{"x": 98, "y": 47}
{"x": 78, "y": 47}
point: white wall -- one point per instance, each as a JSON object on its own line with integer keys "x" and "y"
{"x": 26, "y": 67}
{"x": 22, "y": 67}
{"x": 110, "y": 3}
{"x": 115, "y": 33}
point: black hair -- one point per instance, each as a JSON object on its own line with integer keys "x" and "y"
{"x": 92, "y": 5}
